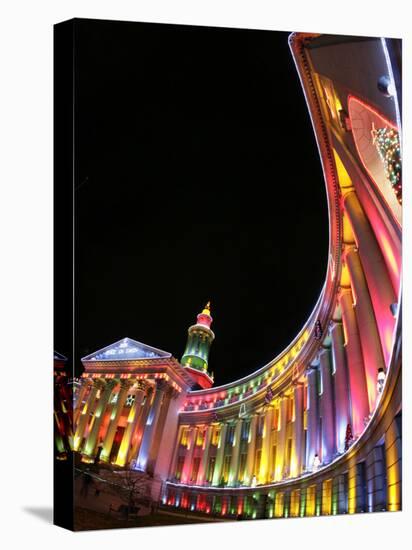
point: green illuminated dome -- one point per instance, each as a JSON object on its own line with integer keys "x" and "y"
{"x": 200, "y": 338}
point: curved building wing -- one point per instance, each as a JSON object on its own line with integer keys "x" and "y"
{"x": 317, "y": 430}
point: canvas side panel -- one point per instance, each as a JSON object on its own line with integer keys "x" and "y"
{"x": 63, "y": 272}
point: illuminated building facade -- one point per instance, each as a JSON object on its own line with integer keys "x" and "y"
{"x": 317, "y": 431}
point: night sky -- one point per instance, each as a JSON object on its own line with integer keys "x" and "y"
{"x": 198, "y": 178}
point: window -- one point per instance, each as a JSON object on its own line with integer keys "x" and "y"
{"x": 274, "y": 453}
{"x": 288, "y": 456}
{"x": 201, "y": 435}
{"x": 215, "y": 436}
{"x": 327, "y": 497}
{"x": 195, "y": 469}
{"x": 226, "y": 467}
{"x": 331, "y": 99}
{"x": 211, "y": 469}
{"x": 344, "y": 494}
{"x": 261, "y": 421}
{"x": 230, "y": 435}
{"x": 257, "y": 461}
{"x": 361, "y": 487}
{"x": 305, "y": 441}
{"x": 311, "y": 500}
{"x": 295, "y": 503}
{"x": 242, "y": 466}
{"x": 291, "y": 413}
{"x": 279, "y": 502}
{"x": 185, "y": 437}
{"x": 245, "y": 430}
{"x": 276, "y": 419}
{"x": 179, "y": 466}
{"x": 305, "y": 398}
{"x": 320, "y": 453}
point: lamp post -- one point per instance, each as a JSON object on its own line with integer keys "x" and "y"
{"x": 380, "y": 380}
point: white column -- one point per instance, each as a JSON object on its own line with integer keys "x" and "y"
{"x": 79, "y": 403}
{"x": 234, "y": 463}
{"x": 132, "y": 422}
{"x": 357, "y": 379}
{"x": 85, "y": 415}
{"x": 217, "y": 474}
{"x": 187, "y": 466}
{"x": 141, "y": 424}
{"x": 312, "y": 418}
{"x": 251, "y": 449}
{"x": 296, "y": 462}
{"x": 326, "y": 407}
{"x": 266, "y": 446}
{"x": 379, "y": 284}
{"x": 341, "y": 382}
{"x": 117, "y": 411}
{"x": 176, "y": 449}
{"x": 150, "y": 428}
{"x": 90, "y": 445}
{"x": 369, "y": 336}
{"x": 281, "y": 439}
{"x": 205, "y": 456}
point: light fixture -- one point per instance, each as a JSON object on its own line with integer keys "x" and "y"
{"x": 386, "y": 86}
{"x": 380, "y": 379}
{"x": 394, "y": 309}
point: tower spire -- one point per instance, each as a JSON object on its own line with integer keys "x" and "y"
{"x": 206, "y": 309}
{"x": 196, "y": 355}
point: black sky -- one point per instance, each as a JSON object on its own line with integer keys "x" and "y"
{"x": 198, "y": 178}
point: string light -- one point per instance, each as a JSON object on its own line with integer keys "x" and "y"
{"x": 386, "y": 141}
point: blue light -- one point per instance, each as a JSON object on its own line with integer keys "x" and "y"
{"x": 126, "y": 349}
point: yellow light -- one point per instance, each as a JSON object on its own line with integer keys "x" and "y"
{"x": 338, "y": 104}
{"x": 343, "y": 176}
{"x": 131, "y": 416}
{"x": 345, "y": 277}
{"x": 206, "y": 309}
{"x": 352, "y": 489}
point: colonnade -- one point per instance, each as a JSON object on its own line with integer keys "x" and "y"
{"x": 101, "y": 410}
{"x": 324, "y": 411}
{"x": 370, "y": 482}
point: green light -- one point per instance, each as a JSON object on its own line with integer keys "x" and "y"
{"x": 302, "y": 504}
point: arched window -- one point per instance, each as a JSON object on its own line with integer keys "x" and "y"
{"x": 368, "y": 129}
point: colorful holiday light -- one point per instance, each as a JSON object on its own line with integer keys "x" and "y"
{"x": 386, "y": 141}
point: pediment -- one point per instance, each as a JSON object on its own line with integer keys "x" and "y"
{"x": 126, "y": 350}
